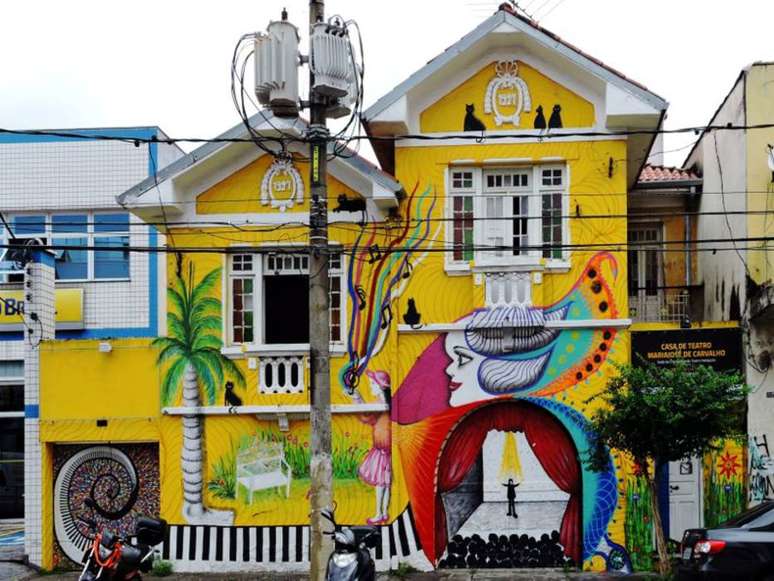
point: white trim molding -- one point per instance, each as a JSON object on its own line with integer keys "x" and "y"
{"x": 578, "y": 324}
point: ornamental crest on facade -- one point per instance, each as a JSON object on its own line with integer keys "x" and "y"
{"x": 282, "y": 186}
{"x": 507, "y": 95}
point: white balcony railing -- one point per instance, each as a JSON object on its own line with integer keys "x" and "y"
{"x": 672, "y": 306}
{"x": 283, "y": 374}
{"x": 508, "y": 289}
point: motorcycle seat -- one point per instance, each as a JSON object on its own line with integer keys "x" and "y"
{"x": 131, "y": 555}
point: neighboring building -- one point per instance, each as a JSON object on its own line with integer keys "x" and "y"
{"x": 738, "y": 174}
{"x": 473, "y": 313}
{"x": 61, "y": 189}
{"x": 666, "y": 304}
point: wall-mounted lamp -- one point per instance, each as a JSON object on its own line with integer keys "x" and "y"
{"x": 105, "y": 347}
{"x": 282, "y": 421}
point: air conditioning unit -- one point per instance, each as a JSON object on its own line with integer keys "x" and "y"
{"x": 276, "y": 68}
{"x": 331, "y": 60}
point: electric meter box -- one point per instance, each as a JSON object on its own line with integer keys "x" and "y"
{"x": 331, "y": 60}
{"x": 276, "y": 68}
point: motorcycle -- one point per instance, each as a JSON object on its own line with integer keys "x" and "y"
{"x": 112, "y": 557}
{"x": 351, "y": 560}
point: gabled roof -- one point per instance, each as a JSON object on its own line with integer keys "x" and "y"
{"x": 505, "y": 15}
{"x": 224, "y": 149}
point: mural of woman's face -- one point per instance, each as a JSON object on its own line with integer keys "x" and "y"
{"x": 463, "y": 370}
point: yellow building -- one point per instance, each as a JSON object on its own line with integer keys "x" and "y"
{"x": 478, "y": 301}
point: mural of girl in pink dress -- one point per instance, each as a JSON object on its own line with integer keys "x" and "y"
{"x": 376, "y": 469}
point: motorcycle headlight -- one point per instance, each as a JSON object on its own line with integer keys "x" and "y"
{"x": 344, "y": 559}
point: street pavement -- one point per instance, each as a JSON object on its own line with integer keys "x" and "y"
{"x": 18, "y": 572}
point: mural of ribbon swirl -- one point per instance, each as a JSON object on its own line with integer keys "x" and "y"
{"x": 108, "y": 477}
{"x": 372, "y": 290}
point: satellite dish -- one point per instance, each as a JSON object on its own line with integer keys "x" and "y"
{"x": 770, "y": 157}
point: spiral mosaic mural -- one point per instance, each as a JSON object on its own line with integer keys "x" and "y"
{"x": 121, "y": 481}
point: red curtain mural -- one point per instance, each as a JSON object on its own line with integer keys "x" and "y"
{"x": 550, "y": 443}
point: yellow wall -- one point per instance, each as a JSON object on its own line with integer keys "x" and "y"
{"x": 448, "y": 113}
{"x": 80, "y": 383}
{"x": 760, "y": 110}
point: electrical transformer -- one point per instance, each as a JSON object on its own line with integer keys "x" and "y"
{"x": 276, "y": 68}
{"x": 331, "y": 60}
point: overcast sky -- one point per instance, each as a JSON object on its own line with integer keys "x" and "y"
{"x": 81, "y": 63}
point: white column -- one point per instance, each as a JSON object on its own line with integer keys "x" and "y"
{"x": 38, "y": 326}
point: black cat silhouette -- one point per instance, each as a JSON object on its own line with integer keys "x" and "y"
{"x": 555, "y": 122}
{"x": 231, "y": 399}
{"x": 412, "y": 317}
{"x": 540, "y": 120}
{"x": 472, "y": 123}
{"x": 348, "y": 205}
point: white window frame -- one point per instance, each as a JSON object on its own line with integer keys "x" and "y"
{"x": 90, "y": 235}
{"x": 535, "y": 191}
{"x": 257, "y": 274}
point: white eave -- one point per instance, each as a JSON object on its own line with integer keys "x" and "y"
{"x": 505, "y": 29}
{"x": 620, "y": 103}
{"x": 167, "y": 194}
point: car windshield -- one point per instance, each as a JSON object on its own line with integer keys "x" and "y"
{"x": 750, "y": 516}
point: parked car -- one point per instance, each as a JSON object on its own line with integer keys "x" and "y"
{"x": 740, "y": 548}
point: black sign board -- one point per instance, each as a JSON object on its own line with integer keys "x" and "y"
{"x": 720, "y": 349}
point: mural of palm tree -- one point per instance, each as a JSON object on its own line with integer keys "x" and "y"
{"x": 192, "y": 352}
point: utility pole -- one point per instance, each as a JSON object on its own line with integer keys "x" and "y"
{"x": 321, "y": 468}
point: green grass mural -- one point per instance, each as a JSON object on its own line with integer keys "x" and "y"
{"x": 348, "y": 454}
{"x": 638, "y": 525}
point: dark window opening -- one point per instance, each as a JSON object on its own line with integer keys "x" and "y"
{"x": 286, "y": 309}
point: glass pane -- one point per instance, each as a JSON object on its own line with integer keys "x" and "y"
{"x": 111, "y": 222}
{"x": 70, "y": 223}
{"x": 28, "y": 225}
{"x": 112, "y": 263}
{"x": 12, "y": 468}
{"x": 634, "y": 282}
{"x": 71, "y": 264}
{"x": 12, "y": 369}
{"x": 11, "y": 398}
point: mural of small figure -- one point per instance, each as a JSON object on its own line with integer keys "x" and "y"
{"x": 473, "y": 123}
{"x": 555, "y": 122}
{"x": 540, "y": 119}
{"x": 511, "y": 493}
{"x": 376, "y": 469}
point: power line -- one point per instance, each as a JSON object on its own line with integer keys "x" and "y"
{"x": 473, "y": 136}
{"x": 344, "y": 248}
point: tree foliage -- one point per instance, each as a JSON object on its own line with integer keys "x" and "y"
{"x": 665, "y": 414}
{"x": 194, "y": 327}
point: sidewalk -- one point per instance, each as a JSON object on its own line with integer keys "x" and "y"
{"x": 17, "y": 572}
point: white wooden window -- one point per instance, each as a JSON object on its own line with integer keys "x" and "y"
{"x": 268, "y": 298}
{"x": 507, "y": 215}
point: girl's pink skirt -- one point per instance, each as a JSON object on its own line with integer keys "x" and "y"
{"x": 376, "y": 468}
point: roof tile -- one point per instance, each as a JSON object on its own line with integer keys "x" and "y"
{"x": 660, "y": 174}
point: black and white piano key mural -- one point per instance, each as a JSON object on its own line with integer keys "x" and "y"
{"x": 276, "y": 548}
